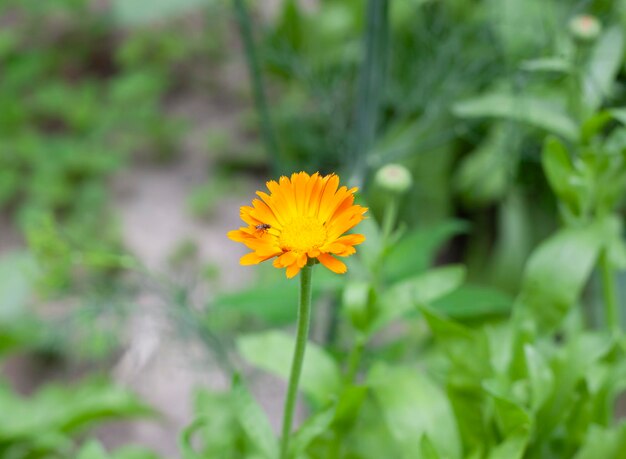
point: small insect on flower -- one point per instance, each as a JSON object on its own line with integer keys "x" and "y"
{"x": 309, "y": 216}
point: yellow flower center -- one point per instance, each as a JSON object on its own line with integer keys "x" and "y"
{"x": 302, "y": 234}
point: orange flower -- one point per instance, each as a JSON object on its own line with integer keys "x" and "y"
{"x": 302, "y": 217}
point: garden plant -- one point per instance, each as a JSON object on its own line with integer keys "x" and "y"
{"x": 436, "y": 262}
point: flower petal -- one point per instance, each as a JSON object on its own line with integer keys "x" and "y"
{"x": 252, "y": 258}
{"x": 332, "y": 263}
{"x": 292, "y": 270}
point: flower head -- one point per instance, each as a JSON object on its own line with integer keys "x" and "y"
{"x": 395, "y": 178}
{"x": 303, "y": 217}
{"x": 585, "y": 27}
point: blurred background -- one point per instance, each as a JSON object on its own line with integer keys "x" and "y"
{"x": 132, "y": 130}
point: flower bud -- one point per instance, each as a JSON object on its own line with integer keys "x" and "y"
{"x": 394, "y": 177}
{"x": 585, "y": 27}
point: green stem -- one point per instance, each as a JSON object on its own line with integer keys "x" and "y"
{"x": 609, "y": 292}
{"x": 389, "y": 219}
{"x": 304, "y": 315}
{"x": 354, "y": 360}
{"x": 387, "y": 226}
{"x": 256, "y": 79}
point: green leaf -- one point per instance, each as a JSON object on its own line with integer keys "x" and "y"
{"x": 604, "y": 443}
{"x": 540, "y": 377}
{"x": 523, "y": 108}
{"x": 511, "y": 448}
{"x": 216, "y": 430}
{"x": 272, "y": 351}
{"x": 185, "y": 442}
{"x": 427, "y": 449}
{"x": 275, "y": 301}
{"x": 511, "y": 416}
{"x": 314, "y": 427}
{"x": 412, "y": 406}
{"x": 603, "y": 67}
{"x": 358, "y": 303}
{"x": 468, "y": 350}
{"x": 414, "y": 253}
{"x": 422, "y": 289}
{"x": 473, "y": 302}
{"x": 556, "y": 273}
{"x": 254, "y": 421}
{"x": 619, "y": 114}
{"x": 547, "y": 64}
{"x": 46, "y": 420}
{"x": 92, "y": 450}
{"x": 559, "y": 171}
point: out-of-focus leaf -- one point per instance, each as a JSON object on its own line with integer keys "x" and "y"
{"x": 273, "y": 352}
{"x": 17, "y": 271}
{"x": 414, "y": 253}
{"x": 92, "y": 450}
{"x": 540, "y": 377}
{"x": 473, "y": 302}
{"x": 522, "y": 28}
{"x": 619, "y": 114}
{"x": 216, "y": 429}
{"x": 467, "y": 350}
{"x": 427, "y": 449}
{"x": 315, "y": 426}
{"x": 274, "y": 302}
{"x": 605, "y": 443}
{"x": 512, "y": 418}
{"x": 511, "y": 448}
{"x": 523, "y": 108}
{"x": 358, "y": 303}
{"x": 413, "y": 406}
{"x": 547, "y": 64}
{"x": 556, "y": 273}
{"x": 559, "y": 171}
{"x": 422, "y": 289}
{"x": 484, "y": 175}
{"x": 603, "y": 66}
{"x": 254, "y": 421}
{"x": 46, "y": 420}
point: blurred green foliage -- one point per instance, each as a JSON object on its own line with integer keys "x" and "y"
{"x": 80, "y": 96}
{"x": 505, "y": 115}
{"x": 450, "y": 337}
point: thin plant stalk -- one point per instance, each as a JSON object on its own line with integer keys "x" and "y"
{"x": 257, "y": 81}
{"x": 304, "y": 318}
{"x": 609, "y": 292}
{"x": 371, "y": 85}
{"x": 354, "y": 360}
